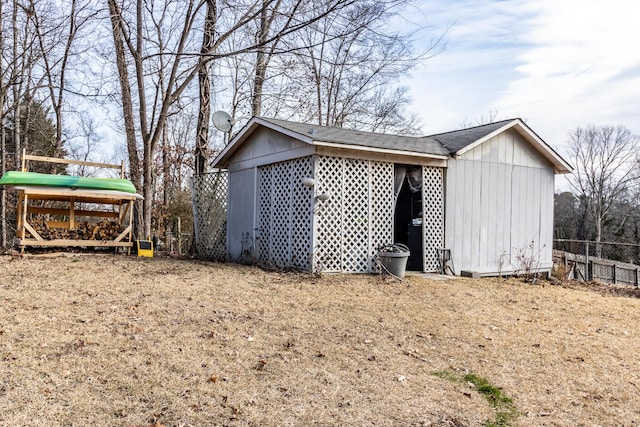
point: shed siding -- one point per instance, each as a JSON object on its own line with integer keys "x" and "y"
{"x": 499, "y": 206}
{"x": 268, "y": 147}
{"x": 240, "y": 214}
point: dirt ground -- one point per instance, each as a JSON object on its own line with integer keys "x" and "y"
{"x": 126, "y": 341}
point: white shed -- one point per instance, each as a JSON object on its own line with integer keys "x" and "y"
{"x": 319, "y": 198}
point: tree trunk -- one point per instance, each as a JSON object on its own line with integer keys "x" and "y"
{"x": 16, "y": 88}
{"x": 3, "y": 146}
{"x": 63, "y": 70}
{"x": 261, "y": 64}
{"x": 167, "y": 188}
{"x": 127, "y": 109}
{"x": 204, "y": 113}
{"x": 598, "y": 219}
{"x": 636, "y": 249}
{"x": 3, "y": 161}
{"x": 3, "y": 191}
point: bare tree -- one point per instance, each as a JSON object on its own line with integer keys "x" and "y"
{"x": 604, "y": 158}
{"x": 204, "y": 83}
{"x": 3, "y": 139}
{"x": 17, "y": 86}
{"x": 484, "y": 119}
{"x": 172, "y": 51}
{"x": 342, "y": 70}
{"x": 265, "y": 51}
{"x": 127, "y": 107}
{"x": 83, "y": 144}
{"x": 56, "y": 32}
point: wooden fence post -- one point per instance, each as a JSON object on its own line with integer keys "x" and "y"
{"x": 586, "y": 263}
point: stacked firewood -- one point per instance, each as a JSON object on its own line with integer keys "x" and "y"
{"x": 103, "y": 230}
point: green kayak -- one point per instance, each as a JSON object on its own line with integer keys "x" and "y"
{"x": 43, "y": 179}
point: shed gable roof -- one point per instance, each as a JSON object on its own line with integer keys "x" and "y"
{"x": 335, "y": 135}
{"x": 461, "y": 141}
{"x": 439, "y": 146}
{"x": 458, "y": 139}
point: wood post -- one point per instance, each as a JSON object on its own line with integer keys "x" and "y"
{"x": 179, "y": 236}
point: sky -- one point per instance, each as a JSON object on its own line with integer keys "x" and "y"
{"x": 557, "y": 64}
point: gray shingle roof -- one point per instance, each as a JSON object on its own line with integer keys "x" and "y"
{"x": 424, "y": 145}
{"x": 441, "y": 144}
{"x": 458, "y": 139}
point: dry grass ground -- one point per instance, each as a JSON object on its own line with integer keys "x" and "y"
{"x": 123, "y": 341}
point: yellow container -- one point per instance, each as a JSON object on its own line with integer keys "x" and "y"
{"x": 144, "y": 248}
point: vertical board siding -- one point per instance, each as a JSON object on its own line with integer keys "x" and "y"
{"x": 499, "y": 203}
{"x": 476, "y": 208}
{"x": 455, "y": 209}
{"x": 241, "y": 211}
{"x": 467, "y": 224}
{"x": 485, "y": 213}
{"x": 506, "y": 197}
{"x": 547, "y": 186}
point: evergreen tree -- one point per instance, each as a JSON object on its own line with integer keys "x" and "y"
{"x": 38, "y": 134}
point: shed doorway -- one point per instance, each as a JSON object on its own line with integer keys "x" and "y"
{"x": 408, "y": 217}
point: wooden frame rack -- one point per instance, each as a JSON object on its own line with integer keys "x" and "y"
{"x": 115, "y": 206}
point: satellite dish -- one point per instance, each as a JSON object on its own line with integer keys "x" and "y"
{"x": 222, "y": 121}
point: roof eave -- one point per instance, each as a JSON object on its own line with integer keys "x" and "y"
{"x": 379, "y": 150}
{"x": 222, "y": 159}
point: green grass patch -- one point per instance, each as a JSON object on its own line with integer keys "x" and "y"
{"x": 447, "y": 375}
{"x": 505, "y": 409}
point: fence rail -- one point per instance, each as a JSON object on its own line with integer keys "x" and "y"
{"x": 581, "y": 267}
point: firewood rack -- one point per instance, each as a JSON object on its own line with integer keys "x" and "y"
{"x": 72, "y": 205}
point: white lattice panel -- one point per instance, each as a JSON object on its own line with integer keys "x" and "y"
{"x": 264, "y": 213}
{"x": 301, "y": 220}
{"x": 209, "y": 197}
{"x": 355, "y": 216}
{"x": 284, "y": 214}
{"x": 328, "y": 249}
{"x": 280, "y": 245}
{"x": 381, "y": 196}
{"x": 433, "y": 215}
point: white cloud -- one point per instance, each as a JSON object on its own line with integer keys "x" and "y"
{"x": 581, "y": 66}
{"x": 556, "y": 64}
{"x": 479, "y": 61}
